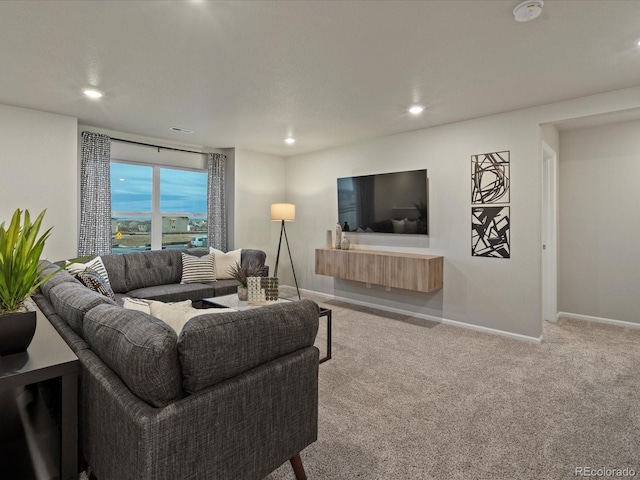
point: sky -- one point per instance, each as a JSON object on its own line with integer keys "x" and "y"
{"x": 180, "y": 190}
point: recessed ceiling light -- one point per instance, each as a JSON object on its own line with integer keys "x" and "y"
{"x": 290, "y": 140}
{"x": 528, "y": 10}
{"x": 416, "y": 110}
{"x": 92, "y": 93}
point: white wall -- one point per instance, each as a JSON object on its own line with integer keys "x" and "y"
{"x": 38, "y": 159}
{"x": 599, "y": 222}
{"x": 494, "y": 293}
{"x": 488, "y": 292}
{"x": 260, "y": 181}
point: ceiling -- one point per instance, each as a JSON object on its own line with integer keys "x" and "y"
{"x": 248, "y": 74}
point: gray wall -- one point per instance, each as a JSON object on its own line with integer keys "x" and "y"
{"x": 599, "y": 255}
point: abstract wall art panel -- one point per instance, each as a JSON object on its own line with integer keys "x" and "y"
{"x": 490, "y": 178}
{"x": 490, "y": 232}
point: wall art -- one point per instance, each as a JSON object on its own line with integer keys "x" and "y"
{"x": 490, "y": 178}
{"x": 490, "y": 232}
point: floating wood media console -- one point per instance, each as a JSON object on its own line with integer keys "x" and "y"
{"x": 422, "y": 273}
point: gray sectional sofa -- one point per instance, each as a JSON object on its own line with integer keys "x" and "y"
{"x": 233, "y": 396}
{"x": 156, "y": 275}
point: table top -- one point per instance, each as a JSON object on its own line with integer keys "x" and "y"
{"x": 48, "y": 356}
{"x": 232, "y": 301}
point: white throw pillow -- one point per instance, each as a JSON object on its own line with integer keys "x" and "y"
{"x": 224, "y": 262}
{"x": 398, "y": 225}
{"x": 198, "y": 269}
{"x": 177, "y": 315}
{"x": 95, "y": 265}
{"x": 142, "y": 305}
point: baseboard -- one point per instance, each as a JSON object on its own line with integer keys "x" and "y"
{"x": 431, "y": 318}
{"x": 589, "y": 318}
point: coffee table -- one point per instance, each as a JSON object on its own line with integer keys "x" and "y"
{"x": 232, "y": 301}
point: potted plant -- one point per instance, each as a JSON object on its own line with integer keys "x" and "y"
{"x": 241, "y": 272}
{"x": 20, "y": 250}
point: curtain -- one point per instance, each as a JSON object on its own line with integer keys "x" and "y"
{"x": 95, "y": 195}
{"x": 216, "y": 202}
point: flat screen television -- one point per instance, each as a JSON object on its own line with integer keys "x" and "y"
{"x": 385, "y": 203}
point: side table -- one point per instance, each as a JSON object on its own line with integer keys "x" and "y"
{"x": 31, "y": 445}
{"x": 326, "y": 312}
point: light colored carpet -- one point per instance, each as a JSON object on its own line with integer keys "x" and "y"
{"x": 406, "y": 399}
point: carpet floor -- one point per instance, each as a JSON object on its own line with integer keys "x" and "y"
{"x": 407, "y": 399}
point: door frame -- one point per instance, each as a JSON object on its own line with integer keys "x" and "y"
{"x": 549, "y": 243}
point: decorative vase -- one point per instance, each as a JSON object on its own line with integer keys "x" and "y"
{"x": 338, "y": 234}
{"x": 243, "y": 293}
{"x": 16, "y": 331}
{"x": 345, "y": 244}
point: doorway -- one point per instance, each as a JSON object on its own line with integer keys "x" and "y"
{"x": 549, "y": 233}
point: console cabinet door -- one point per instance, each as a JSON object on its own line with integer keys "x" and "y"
{"x": 411, "y": 273}
{"x": 366, "y": 267}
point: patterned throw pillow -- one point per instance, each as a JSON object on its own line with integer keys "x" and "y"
{"x": 94, "y": 281}
{"x": 96, "y": 265}
{"x": 198, "y": 269}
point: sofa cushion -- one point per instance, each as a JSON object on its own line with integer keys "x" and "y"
{"x": 259, "y": 256}
{"x": 60, "y": 276}
{"x": 73, "y": 300}
{"x": 214, "y": 347}
{"x": 151, "y": 268}
{"x": 175, "y": 292}
{"x": 224, "y": 287}
{"x": 115, "y": 265}
{"x": 198, "y": 269}
{"x": 139, "y": 348}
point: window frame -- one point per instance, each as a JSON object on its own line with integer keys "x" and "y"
{"x": 156, "y": 215}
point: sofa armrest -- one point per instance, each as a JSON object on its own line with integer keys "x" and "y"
{"x": 217, "y": 346}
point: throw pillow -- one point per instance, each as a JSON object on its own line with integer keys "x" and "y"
{"x": 198, "y": 269}
{"x": 177, "y": 315}
{"x": 138, "y": 304}
{"x": 93, "y": 281}
{"x": 224, "y": 262}
{"x": 398, "y": 225}
{"x": 95, "y": 264}
{"x": 143, "y": 305}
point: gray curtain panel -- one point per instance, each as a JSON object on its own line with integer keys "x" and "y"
{"x": 95, "y": 195}
{"x": 216, "y": 202}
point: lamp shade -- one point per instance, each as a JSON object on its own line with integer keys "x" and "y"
{"x": 283, "y": 211}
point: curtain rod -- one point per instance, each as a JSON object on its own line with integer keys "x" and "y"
{"x": 155, "y": 146}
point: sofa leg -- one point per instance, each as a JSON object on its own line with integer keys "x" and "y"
{"x": 298, "y": 469}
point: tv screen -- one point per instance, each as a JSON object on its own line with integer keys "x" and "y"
{"x": 384, "y": 203}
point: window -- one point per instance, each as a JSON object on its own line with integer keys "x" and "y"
{"x": 155, "y": 207}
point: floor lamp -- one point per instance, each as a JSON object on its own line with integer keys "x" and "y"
{"x": 284, "y": 212}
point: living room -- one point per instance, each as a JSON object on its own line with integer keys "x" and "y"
{"x": 590, "y": 128}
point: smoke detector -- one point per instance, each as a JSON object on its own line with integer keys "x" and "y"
{"x": 529, "y": 10}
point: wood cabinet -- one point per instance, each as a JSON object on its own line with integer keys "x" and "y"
{"x": 410, "y": 271}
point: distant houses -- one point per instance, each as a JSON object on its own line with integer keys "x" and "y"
{"x": 170, "y": 224}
